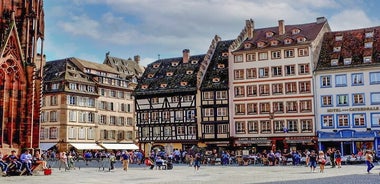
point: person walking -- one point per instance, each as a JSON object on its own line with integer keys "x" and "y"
{"x": 321, "y": 161}
{"x": 369, "y": 161}
{"x": 197, "y": 162}
{"x": 338, "y": 158}
{"x": 330, "y": 153}
{"x": 312, "y": 161}
{"x": 125, "y": 158}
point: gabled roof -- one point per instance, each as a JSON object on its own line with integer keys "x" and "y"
{"x": 127, "y": 66}
{"x": 83, "y": 64}
{"x": 213, "y": 71}
{"x": 308, "y": 30}
{"x": 351, "y": 46}
{"x": 159, "y": 69}
{"x": 64, "y": 70}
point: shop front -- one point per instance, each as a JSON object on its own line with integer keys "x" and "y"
{"x": 253, "y": 145}
{"x": 348, "y": 141}
{"x": 301, "y": 143}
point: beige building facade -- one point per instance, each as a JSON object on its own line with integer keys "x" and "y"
{"x": 88, "y": 105}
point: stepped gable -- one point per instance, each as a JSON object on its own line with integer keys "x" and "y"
{"x": 308, "y": 31}
{"x": 218, "y": 68}
{"x": 169, "y": 76}
{"x": 347, "y": 49}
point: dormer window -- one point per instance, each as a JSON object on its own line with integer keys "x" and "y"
{"x": 247, "y": 45}
{"x": 368, "y": 45}
{"x": 301, "y": 39}
{"x": 144, "y": 86}
{"x": 220, "y": 66}
{"x": 288, "y": 41}
{"x": 189, "y": 72}
{"x": 175, "y": 63}
{"x": 260, "y": 44}
{"x": 194, "y": 62}
{"x": 295, "y": 31}
{"x": 164, "y": 85}
{"x": 334, "y": 62}
{"x": 367, "y": 59}
{"x": 274, "y": 42}
{"x": 337, "y": 49}
{"x": 347, "y": 61}
{"x": 338, "y": 38}
{"x": 156, "y": 65}
{"x": 215, "y": 79}
{"x": 169, "y": 74}
{"x": 269, "y": 34}
{"x": 225, "y": 54}
{"x": 183, "y": 83}
{"x": 150, "y": 75}
{"x": 369, "y": 35}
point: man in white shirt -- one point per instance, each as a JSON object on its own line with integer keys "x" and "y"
{"x": 26, "y": 159}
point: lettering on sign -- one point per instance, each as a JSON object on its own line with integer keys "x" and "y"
{"x": 354, "y": 109}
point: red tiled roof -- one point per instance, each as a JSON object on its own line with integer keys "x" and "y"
{"x": 308, "y": 30}
{"x": 352, "y": 46}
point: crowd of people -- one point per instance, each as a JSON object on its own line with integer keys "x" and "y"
{"x": 13, "y": 164}
{"x": 26, "y": 162}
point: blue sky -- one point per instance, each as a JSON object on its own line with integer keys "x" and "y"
{"x": 87, "y": 29}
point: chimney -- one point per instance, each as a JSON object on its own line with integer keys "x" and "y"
{"x": 281, "y": 27}
{"x": 137, "y": 59}
{"x": 249, "y": 28}
{"x": 186, "y": 55}
{"x": 321, "y": 20}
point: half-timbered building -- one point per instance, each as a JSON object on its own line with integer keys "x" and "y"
{"x": 165, "y": 103}
{"x": 214, "y": 89}
{"x": 21, "y": 58}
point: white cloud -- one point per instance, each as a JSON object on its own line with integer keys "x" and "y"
{"x": 81, "y": 25}
{"x": 350, "y": 19}
{"x": 148, "y": 28}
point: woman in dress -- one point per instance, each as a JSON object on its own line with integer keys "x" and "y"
{"x": 321, "y": 161}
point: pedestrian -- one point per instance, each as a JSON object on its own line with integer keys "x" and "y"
{"x": 125, "y": 158}
{"x": 338, "y": 158}
{"x": 112, "y": 160}
{"x": 369, "y": 161}
{"x": 312, "y": 161}
{"x": 330, "y": 153}
{"x": 321, "y": 161}
{"x": 197, "y": 162}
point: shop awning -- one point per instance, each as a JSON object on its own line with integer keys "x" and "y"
{"x": 346, "y": 139}
{"x": 120, "y": 146}
{"x": 47, "y": 145}
{"x": 86, "y": 146}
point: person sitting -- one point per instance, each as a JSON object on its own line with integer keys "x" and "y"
{"x": 159, "y": 162}
{"x": 3, "y": 165}
{"x": 13, "y": 162}
{"x": 26, "y": 159}
{"x": 149, "y": 163}
{"x": 37, "y": 159}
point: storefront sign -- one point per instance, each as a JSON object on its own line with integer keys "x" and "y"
{"x": 354, "y": 109}
{"x": 253, "y": 140}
